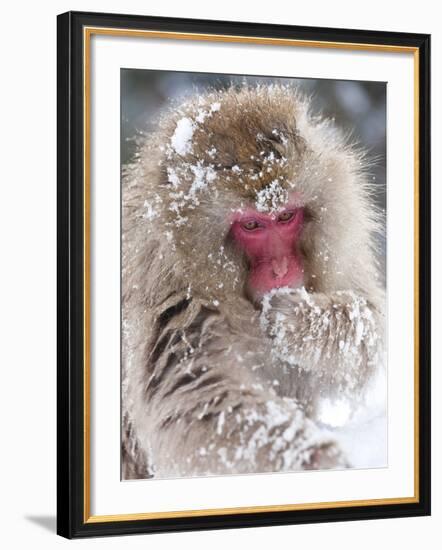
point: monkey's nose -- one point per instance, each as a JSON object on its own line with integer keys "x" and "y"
{"x": 280, "y": 267}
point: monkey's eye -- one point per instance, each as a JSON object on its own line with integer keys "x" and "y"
{"x": 251, "y": 225}
{"x": 285, "y": 216}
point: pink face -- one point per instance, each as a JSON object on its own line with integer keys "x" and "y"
{"x": 270, "y": 242}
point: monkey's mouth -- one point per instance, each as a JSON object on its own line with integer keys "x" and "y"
{"x": 277, "y": 273}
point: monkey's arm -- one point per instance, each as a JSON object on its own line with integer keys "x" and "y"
{"x": 212, "y": 415}
{"x": 253, "y": 433}
{"x": 335, "y": 339}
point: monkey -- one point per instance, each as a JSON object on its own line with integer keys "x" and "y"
{"x": 250, "y": 287}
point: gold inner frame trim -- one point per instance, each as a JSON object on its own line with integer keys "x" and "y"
{"x": 87, "y": 34}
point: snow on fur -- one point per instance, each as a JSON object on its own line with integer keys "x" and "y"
{"x": 255, "y": 374}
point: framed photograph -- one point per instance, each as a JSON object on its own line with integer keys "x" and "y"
{"x": 243, "y": 274}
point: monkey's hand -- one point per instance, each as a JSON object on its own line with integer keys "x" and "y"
{"x": 335, "y": 338}
{"x": 256, "y": 435}
{"x": 277, "y": 436}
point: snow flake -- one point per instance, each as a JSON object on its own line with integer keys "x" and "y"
{"x": 182, "y": 138}
{"x": 271, "y": 198}
{"x": 150, "y": 212}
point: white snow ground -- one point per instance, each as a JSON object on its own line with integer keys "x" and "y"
{"x": 363, "y": 436}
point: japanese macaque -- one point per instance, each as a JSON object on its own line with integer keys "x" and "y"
{"x": 250, "y": 287}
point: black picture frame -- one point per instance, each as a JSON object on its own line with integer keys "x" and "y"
{"x": 72, "y": 501}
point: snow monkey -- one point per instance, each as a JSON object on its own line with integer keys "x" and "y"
{"x": 249, "y": 287}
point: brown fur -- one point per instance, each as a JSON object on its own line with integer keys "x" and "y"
{"x": 199, "y": 360}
